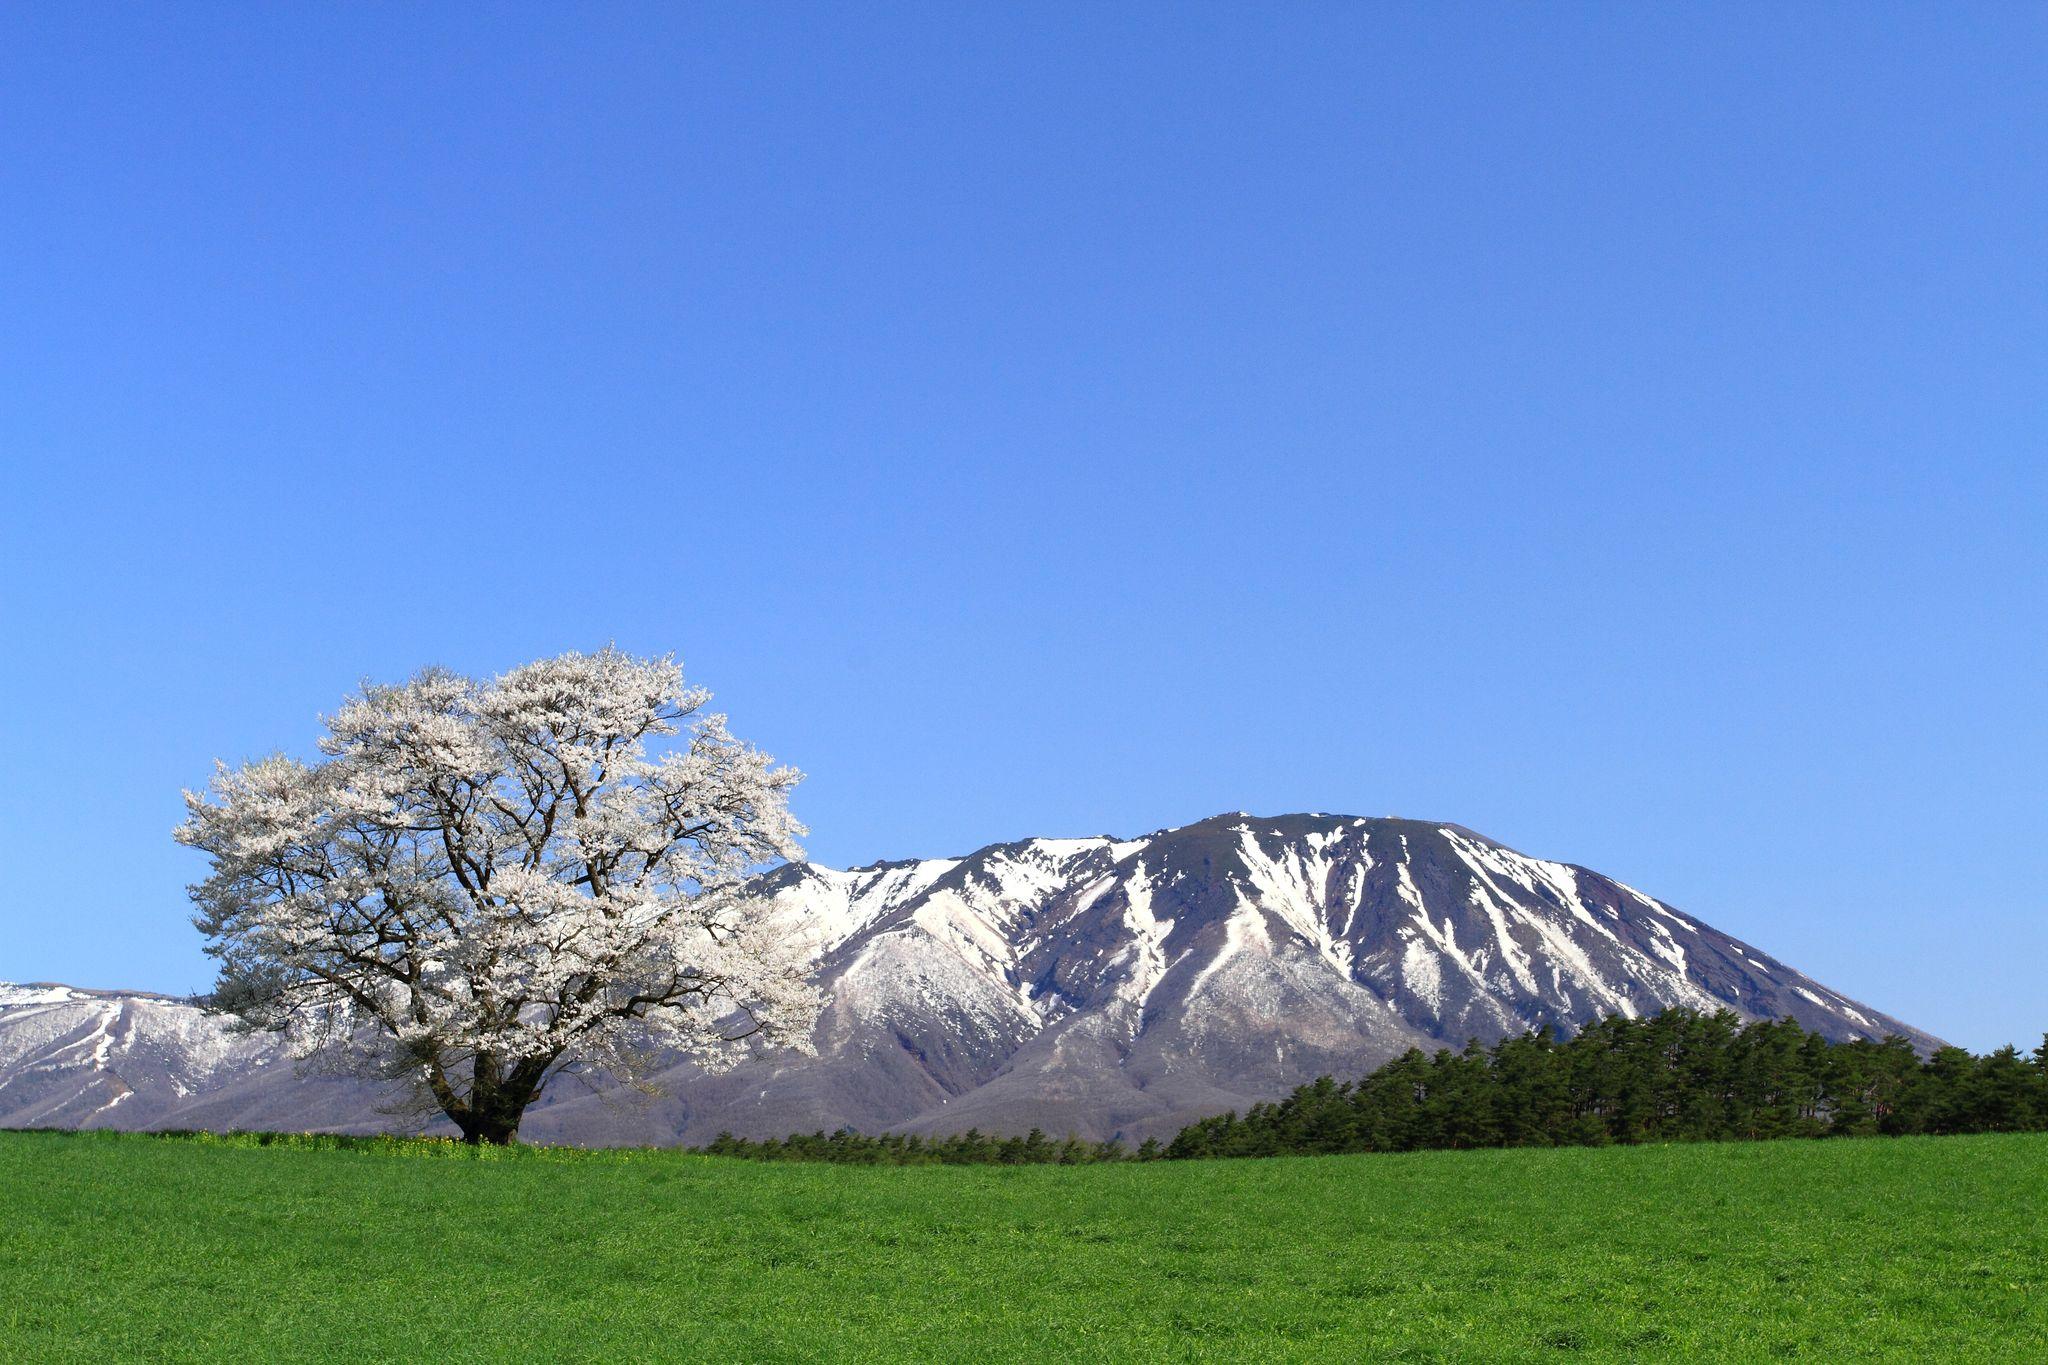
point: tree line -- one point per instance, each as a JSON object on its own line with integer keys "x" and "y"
{"x": 1679, "y": 1076}
{"x": 971, "y": 1148}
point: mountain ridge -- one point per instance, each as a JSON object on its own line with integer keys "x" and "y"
{"x": 1104, "y": 986}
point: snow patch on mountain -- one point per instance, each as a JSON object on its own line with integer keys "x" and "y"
{"x": 1097, "y": 985}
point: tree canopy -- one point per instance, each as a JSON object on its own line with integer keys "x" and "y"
{"x": 482, "y": 883}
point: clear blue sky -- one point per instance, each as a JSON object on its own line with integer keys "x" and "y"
{"x": 1617, "y": 429}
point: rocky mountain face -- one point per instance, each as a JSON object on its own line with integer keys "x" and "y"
{"x": 1096, "y": 986}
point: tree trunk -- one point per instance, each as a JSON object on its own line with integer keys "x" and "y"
{"x": 497, "y": 1099}
{"x": 492, "y": 1118}
{"x": 495, "y": 1130}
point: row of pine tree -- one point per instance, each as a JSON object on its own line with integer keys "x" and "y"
{"x": 1678, "y": 1076}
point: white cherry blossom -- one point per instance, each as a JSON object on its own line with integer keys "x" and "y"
{"x": 483, "y": 883}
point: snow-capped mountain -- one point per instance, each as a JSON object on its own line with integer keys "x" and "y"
{"x": 1099, "y": 986}
{"x": 73, "y": 1059}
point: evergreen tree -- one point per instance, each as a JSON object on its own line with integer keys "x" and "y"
{"x": 1677, "y": 1076}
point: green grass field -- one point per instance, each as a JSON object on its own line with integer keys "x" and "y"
{"x": 136, "y": 1248}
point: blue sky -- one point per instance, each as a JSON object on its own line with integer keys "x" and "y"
{"x": 1617, "y": 429}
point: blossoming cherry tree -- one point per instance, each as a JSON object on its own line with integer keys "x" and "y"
{"x": 482, "y": 884}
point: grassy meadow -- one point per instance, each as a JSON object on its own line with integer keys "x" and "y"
{"x": 118, "y": 1247}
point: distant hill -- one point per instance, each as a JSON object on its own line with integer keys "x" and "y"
{"x": 1097, "y": 986}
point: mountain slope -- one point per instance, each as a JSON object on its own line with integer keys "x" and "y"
{"x": 88, "y": 1059}
{"x": 1098, "y": 986}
